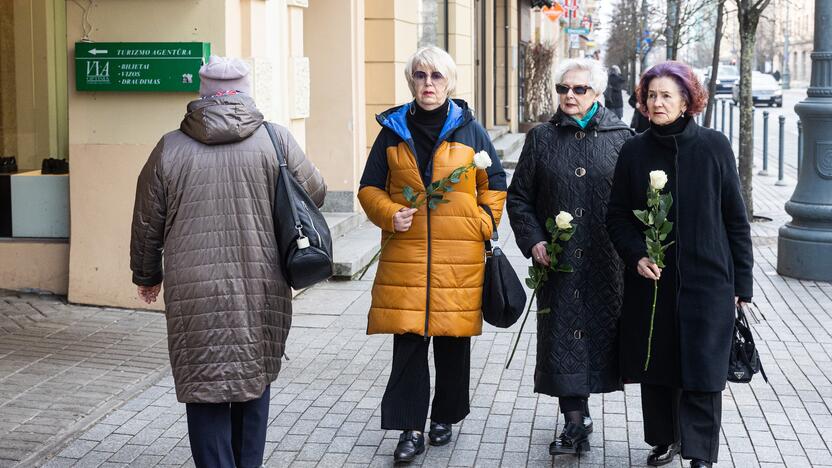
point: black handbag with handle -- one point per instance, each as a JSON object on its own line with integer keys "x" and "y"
{"x": 303, "y": 239}
{"x": 503, "y": 295}
{"x": 744, "y": 360}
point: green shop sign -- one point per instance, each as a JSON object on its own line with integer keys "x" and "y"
{"x": 139, "y": 66}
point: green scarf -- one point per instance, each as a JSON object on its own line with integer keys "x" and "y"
{"x": 589, "y": 115}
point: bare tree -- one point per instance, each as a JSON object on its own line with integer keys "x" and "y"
{"x": 748, "y": 14}
{"x": 720, "y": 13}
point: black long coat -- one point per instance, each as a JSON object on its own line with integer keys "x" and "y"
{"x": 566, "y": 168}
{"x": 710, "y": 263}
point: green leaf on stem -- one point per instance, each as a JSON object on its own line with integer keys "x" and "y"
{"x": 566, "y": 269}
{"x": 544, "y": 311}
{"x": 550, "y": 225}
{"x": 565, "y": 236}
{"x": 641, "y": 215}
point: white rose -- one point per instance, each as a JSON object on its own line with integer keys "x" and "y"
{"x": 658, "y": 179}
{"x": 563, "y": 221}
{"x": 482, "y": 160}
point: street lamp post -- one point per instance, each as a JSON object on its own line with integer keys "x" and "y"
{"x": 805, "y": 244}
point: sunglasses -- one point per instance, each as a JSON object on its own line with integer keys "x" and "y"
{"x": 422, "y": 77}
{"x": 564, "y": 89}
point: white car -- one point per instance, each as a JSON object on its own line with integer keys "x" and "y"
{"x": 764, "y": 89}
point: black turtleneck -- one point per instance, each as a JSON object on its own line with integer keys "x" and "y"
{"x": 425, "y": 126}
{"x": 674, "y": 128}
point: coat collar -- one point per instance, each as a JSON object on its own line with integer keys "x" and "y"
{"x": 603, "y": 120}
{"x": 396, "y": 119}
{"x": 689, "y": 134}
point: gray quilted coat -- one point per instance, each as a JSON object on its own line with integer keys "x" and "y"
{"x": 204, "y": 207}
{"x": 566, "y": 168}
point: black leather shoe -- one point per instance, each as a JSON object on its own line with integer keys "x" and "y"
{"x": 662, "y": 454}
{"x": 574, "y": 440}
{"x": 440, "y": 433}
{"x": 411, "y": 444}
{"x": 588, "y": 424}
{"x": 700, "y": 464}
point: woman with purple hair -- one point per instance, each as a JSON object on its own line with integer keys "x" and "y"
{"x": 707, "y": 271}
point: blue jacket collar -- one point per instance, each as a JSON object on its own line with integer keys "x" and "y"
{"x": 396, "y": 119}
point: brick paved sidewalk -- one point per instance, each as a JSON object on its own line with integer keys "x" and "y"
{"x": 62, "y": 366}
{"x": 325, "y": 404}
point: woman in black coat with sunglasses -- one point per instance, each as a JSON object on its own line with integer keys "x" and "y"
{"x": 567, "y": 165}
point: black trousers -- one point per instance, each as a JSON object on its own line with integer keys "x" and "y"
{"x": 405, "y": 403}
{"x": 228, "y": 435}
{"x": 574, "y": 403}
{"x": 692, "y": 418}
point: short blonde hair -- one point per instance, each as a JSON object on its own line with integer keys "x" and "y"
{"x": 436, "y": 59}
{"x": 597, "y": 74}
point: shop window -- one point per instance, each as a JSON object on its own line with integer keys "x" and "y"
{"x": 33, "y": 118}
{"x": 433, "y": 23}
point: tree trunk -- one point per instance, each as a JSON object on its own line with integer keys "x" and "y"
{"x": 720, "y": 13}
{"x": 671, "y": 31}
{"x": 746, "y": 155}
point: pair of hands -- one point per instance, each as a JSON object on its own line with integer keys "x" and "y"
{"x": 645, "y": 267}
{"x": 149, "y": 293}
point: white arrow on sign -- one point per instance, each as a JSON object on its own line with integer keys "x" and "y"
{"x": 97, "y": 51}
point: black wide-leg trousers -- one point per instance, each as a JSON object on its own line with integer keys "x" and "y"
{"x": 692, "y": 418}
{"x": 405, "y": 403}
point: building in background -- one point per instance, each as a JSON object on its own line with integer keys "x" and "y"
{"x": 323, "y": 68}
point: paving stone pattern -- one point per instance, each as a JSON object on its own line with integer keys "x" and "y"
{"x": 63, "y": 365}
{"x": 325, "y": 405}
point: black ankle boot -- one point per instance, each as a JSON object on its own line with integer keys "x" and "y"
{"x": 574, "y": 440}
{"x": 695, "y": 463}
{"x": 662, "y": 454}
{"x": 411, "y": 444}
{"x": 440, "y": 433}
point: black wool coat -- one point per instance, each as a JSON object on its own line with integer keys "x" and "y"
{"x": 565, "y": 168}
{"x": 710, "y": 263}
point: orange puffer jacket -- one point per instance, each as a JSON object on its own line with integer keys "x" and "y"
{"x": 429, "y": 279}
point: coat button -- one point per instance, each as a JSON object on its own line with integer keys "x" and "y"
{"x": 579, "y": 212}
{"x": 578, "y": 334}
{"x": 580, "y": 135}
{"x": 579, "y": 253}
{"x": 577, "y": 294}
{"x": 580, "y": 172}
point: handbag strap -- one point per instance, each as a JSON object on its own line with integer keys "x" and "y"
{"x": 284, "y": 173}
{"x": 495, "y": 236}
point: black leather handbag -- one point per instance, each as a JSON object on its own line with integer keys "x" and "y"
{"x": 503, "y": 295}
{"x": 303, "y": 240}
{"x": 744, "y": 361}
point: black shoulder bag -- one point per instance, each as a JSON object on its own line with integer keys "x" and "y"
{"x": 303, "y": 239}
{"x": 744, "y": 360}
{"x": 503, "y": 296}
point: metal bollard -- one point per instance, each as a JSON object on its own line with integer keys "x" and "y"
{"x": 799, "y": 146}
{"x": 731, "y": 124}
{"x": 764, "y": 172}
{"x": 780, "y": 180}
{"x": 722, "y": 118}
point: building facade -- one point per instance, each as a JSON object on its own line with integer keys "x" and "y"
{"x": 323, "y": 68}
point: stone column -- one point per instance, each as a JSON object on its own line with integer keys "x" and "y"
{"x": 805, "y": 244}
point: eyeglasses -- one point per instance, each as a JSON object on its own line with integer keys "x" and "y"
{"x": 564, "y": 89}
{"x": 422, "y": 77}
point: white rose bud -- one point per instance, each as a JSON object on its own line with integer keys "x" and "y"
{"x": 563, "y": 221}
{"x": 482, "y": 160}
{"x": 658, "y": 179}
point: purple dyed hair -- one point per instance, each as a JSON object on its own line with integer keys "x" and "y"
{"x": 692, "y": 90}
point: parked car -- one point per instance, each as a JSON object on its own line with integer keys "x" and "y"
{"x": 727, "y": 75}
{"x": 764, "y": 90}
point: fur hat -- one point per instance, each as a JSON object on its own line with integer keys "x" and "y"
{"x": 224, "y": 74}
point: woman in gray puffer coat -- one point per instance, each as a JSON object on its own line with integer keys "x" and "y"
{"x": 205, "y": 198}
